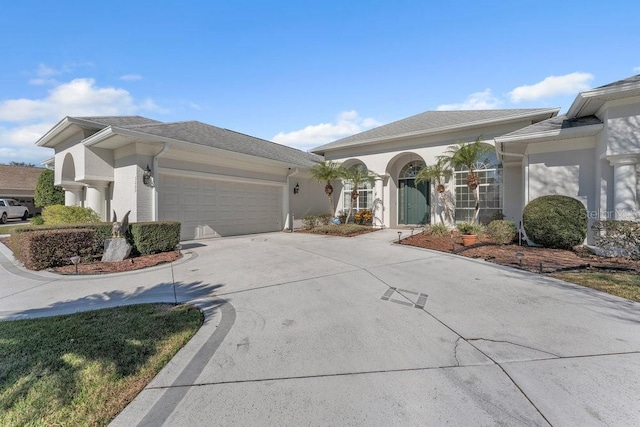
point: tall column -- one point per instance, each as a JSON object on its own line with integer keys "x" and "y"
{"x": 72, "y": 195}
{"x": 96, "y": 198}
{"x": 624, "y": 187}
{"x": 378, "y": 203}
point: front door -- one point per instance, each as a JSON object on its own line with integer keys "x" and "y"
{"x": 413, "y": 202}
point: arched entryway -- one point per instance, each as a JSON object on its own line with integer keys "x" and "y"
{"x": 413, "y": 199}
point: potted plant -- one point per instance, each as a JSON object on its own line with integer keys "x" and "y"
{"x": 469, "y": 232}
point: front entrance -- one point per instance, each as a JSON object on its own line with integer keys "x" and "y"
{"x": 413, "y": 199}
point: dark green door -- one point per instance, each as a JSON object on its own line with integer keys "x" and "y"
{"x": 413, "y": 202}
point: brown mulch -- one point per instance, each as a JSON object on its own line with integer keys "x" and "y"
{"x": 538, "y": 260}
{"x": 129, "y": 264}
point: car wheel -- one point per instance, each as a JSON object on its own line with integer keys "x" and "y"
{"x": 25, "y": 216}
{"x": 3, "y": 218}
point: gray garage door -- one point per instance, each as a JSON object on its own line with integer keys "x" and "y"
{"x": 212, "y": 208}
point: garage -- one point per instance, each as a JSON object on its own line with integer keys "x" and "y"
{"x": 220, "y": 207}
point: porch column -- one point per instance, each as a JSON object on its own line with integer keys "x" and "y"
{"x": 625, "y": 185}
{"x": 72, "y": 195}
{"x": 96, "y": 198}
{"x": 378, "y": 203}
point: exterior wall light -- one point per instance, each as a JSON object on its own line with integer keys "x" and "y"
{"x": 296, "y": 189}
{"x": 146, "y": 176}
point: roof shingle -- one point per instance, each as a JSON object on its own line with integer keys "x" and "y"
{"x": 19, "y": 177}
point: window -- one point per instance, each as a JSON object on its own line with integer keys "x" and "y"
{"x": 489, "y": 171}
{"x": 364, "y": 200}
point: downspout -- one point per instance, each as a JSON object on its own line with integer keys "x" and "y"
{"x": 290, "y": 215}
{"x": 155, "y": 180}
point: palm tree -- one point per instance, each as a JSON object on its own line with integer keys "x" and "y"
{"x": 356, "y": 176}
{"x": 439, "y": 171}
{"x": 467, "y": 155}
{"x": 325, "y": 172}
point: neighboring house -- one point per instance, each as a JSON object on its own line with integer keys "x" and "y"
{"x": 219, "y": 182}
{"x": 19, "y": 183}
{"x": 216, "y": 182}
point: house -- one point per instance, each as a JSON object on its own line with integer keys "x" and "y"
{"x": 219, "y": 182}
{"x": 215, "y": 181}
{"x": 19, "y": 182}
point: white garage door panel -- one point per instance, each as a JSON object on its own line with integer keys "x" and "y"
{"x": 208, "y": 208}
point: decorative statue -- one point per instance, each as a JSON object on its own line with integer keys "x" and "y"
{"x": 119, "y": 229}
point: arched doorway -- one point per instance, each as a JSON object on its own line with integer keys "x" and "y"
{"x": 413, "y": 199}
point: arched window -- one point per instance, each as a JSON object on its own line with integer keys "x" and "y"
{"x": 411, "y": 169}
{"x": 489, "y": 171}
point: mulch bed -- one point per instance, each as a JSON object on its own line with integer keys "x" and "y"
{"x": 538, "y": 260}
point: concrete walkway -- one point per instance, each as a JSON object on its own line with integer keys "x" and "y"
{"x": 320, "y": 330}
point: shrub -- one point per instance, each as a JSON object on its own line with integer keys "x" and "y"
{"x": 154, "y": 237}
{"x": 620, "y": 235}
{"x": 363, "y": 217}
{"x": 37, "y": 220}
{"x": 46, "y": 193}
{"x": 52, "y": 248}
{"x": 324, "y": 219}
{"x": 501, "y": 231}
{"x": 344, "y": 230}
{"x": 436, "y": 229}
{"x": 470, "y": 228}
{"x": 309, "y": 222}
{"x": 342, "y": 216}
{"x": 60, "y": 214}
{"x": 555, "y": 221}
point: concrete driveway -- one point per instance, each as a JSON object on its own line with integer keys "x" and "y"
{"x": 317, "y": 330}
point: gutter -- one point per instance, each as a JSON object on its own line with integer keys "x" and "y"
{"x": 155, "y": 180}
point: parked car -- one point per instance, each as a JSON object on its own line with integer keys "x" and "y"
{"x": 10, "y": 208}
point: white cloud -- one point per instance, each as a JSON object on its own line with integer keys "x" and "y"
{"x": 347, "y": 123}
{"x": 23, "y": 121}
{"x": 131, "y": 77}
{"x": 636, "y": 69}
{"x": 476, "y": 101}
{"x": 569, "y": 84}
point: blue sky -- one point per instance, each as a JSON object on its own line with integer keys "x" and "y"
{"x": 301, "y": 73}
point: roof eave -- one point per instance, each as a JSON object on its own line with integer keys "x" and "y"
{"x": 576, "y": 132}
{"x": 552, "y": 112}
{"x": 588, "y": 97}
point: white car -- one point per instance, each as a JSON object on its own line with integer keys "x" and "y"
{"x": 10, "y": 208}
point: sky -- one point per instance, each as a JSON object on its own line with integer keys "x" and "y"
{"x": 300, "y": 73}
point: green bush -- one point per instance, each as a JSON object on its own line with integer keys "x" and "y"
{"x": 344, "y": 230}
{"x": 555, "y": 221}
{"x": 60, "y": 214}
{"x": 309, "y": 222}
{"x": 324, "y": 219}
{"x": 470, "y": 228}
{"x": 438, "y": 229}
{"x": 616, "y": 234}
{"x": 501, "y": 232}
{"x": 154, "y": 237}
{"x": 52, "y": 248}
{"x": 37, "y": 220}
{"x": 46, "y": 193}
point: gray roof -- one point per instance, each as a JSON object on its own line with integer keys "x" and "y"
{"x": 430, "y": 121}
{"x": 630, "y": 80}
{"x": 118, "y": 121}
{"x": 211, "y": 136}
{"x": 555, "y": 123}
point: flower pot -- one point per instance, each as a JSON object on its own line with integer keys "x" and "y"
{"x": 469, "y": 239}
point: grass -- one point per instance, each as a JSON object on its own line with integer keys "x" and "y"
{"x": 83, "y": 369}
{"x": 7, "y": 229}
{"x": 619, "y": 284}
{"x": 342, "y": 229}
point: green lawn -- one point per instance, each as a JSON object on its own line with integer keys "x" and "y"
{"x": 7, "y": 229}
{"x": 619, "y": 284}
{"x": 83, "y": 369}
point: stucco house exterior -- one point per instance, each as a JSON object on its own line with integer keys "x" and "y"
{"x": 216, "y": 182}
{"x": 219, "y": 182}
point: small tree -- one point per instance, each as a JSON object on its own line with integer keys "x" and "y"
{"x": 467, "y": 155}
{"x": 325, "y": 172}
{"x": 356, "y": 176}
{"x": 46, "y": 193}
{"x": 439, "y": 172}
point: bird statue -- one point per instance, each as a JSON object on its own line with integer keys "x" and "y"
{"x": 119, "y": 229}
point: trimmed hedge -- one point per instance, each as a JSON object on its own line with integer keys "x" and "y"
{"x": 555, "y": 221}
{"x": 501, "y": 232}
{"x": 154, "y": 237}
{"x": 52, "y": 248}
{"x": 621, "y": 235}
